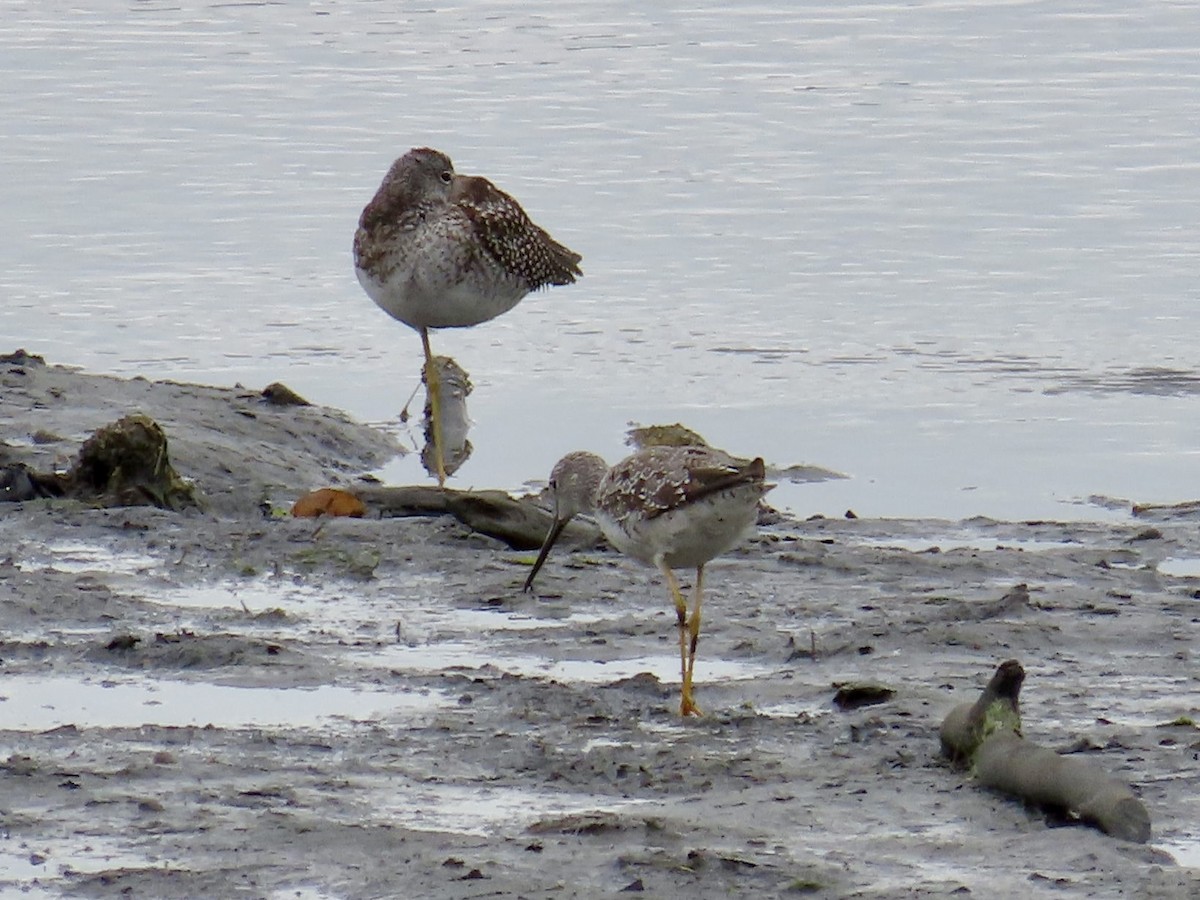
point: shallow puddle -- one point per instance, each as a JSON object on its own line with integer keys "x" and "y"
{"x": 484, "y": 810}
{"x": 220, "y": 596}
{"x": 38, "y": 703}
{"x": 417, "y": 622}
{"x": 258, "y": 594}
{"x": 416, "y": 608}
{"x": 432, "y": 637}
{"x": 476, "y": 655}
{"x": 32, "y": 868}
{"x": 946, "y": 544}
{"x": 795, "y": 709}
{"x": 1180, "y": 567}
{"x": 1185, "y": 851}
{"x": 82, "y": 556}
{"x": 301, "y": 892}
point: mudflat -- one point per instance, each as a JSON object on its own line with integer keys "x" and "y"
{"x": 230, "y": 702}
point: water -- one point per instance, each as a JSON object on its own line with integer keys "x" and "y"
{"x": 946, "y": 248}
{"x": 41, "y": 702}
{"x": 448, "y": 807}
{"x": 467, "y": 654}
{"x": 37, "y": 871}
{"x": 1178, "y": 567}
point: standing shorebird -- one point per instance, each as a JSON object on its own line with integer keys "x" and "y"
{"x": 669, "y": 507}
{"x": 436, "y": 249}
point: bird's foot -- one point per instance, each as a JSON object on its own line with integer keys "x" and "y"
{"x": 688, "y": 707}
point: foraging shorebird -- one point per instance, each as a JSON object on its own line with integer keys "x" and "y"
{"x": 669, "y": 507}
{"x": 436, "y": 249}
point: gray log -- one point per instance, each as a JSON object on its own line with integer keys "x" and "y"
{"x": 986, "y": 735}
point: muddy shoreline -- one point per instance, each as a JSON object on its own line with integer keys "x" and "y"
{"x": 237, "y": 703}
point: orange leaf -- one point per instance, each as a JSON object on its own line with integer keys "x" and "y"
{"x": 328, "y": 502}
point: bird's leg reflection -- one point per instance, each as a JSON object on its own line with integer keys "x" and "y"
{"x": 446, "y": 447}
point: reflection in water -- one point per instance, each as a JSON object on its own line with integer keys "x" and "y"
{"x": 453, "y": 387}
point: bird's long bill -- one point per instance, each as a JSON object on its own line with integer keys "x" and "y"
{"x": 551, "y": 537}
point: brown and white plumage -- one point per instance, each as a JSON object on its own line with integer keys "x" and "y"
{"x": 669, "y": 507}
{"x": 435, "y": 249}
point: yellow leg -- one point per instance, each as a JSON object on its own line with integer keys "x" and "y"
{"x": 433, "y": 389}
{"x": 686, "y": 706}
{"x": 694, "y": 631}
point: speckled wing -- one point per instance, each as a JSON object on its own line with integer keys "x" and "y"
{"x": 659, "y": 479}
{"x": 510, "y": 238}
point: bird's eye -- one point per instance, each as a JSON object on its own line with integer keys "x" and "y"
{"x": 447, "y": 176}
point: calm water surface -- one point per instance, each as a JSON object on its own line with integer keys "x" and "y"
{"x": 948, "y": 248}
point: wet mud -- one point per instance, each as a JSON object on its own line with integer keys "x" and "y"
{"x": 234, "y": 702}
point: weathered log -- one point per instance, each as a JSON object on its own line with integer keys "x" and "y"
{"x": 518, "y": 522}
{"x": 521, "y": 525}
{"x": 1168, "y": 511}
{"x": 986, "y": 735}
{"x": 997, "y": 709}
{"x": 404, "y": 500}
{"x": 1009, "y": 763}
{"x": 18, "y": 483}
{"x": 279, "y": 394}
{"x": 124, "y": 463}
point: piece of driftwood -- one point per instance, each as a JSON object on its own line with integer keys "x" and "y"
{"x": 124, "y": 463}
{"x": 519, "y": 522}
{"x": 279, "y": 394}
{"x": 1168, "y": 510}
{"x": 986, "y": 736}
{"x": 18, "y": 483}
{"x": 639, "y": 437}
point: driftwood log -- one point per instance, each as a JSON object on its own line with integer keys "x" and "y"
{"x": 519, "y": 522}
{"x": 1168, "y": 511}
{"x": 986, "y": 736}
{"x": 125, "y": 463}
